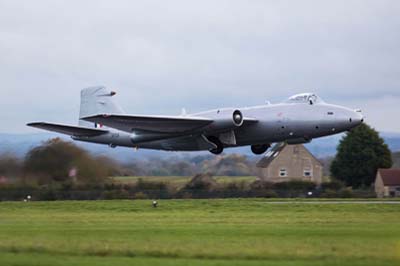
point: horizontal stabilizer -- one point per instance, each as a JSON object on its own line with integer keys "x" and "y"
{"x": 165, "y": 124}
{"x": 69, "y": 130}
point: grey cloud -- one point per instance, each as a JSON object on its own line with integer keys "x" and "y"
{"x": 162, "y": 55}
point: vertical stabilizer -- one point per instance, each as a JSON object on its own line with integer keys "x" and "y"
{"x": 97, "y": 100}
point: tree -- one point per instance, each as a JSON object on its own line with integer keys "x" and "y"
{"x": 359, "y": 155}
{"x": 10, "y": 165}
{"x": 228, "y": 165}
{"x": 55, "y": 159}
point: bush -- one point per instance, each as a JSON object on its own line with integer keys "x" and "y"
{"x": 153, "y": 190}
{"x": 346, "y": 193}
{"x": 201, "y": 186}
{"x": 233, "y": 190}
{"x": 329, "y": 193}
{"x": 116, "y": 194}
{"x": 295, "y": 185}
{"x": 334, "y": 185}
{"x": 262, "y": 189}
{"x": 261, "y": 185}
{"x": 294, "y": 188}
{"x": 140, "y": 195}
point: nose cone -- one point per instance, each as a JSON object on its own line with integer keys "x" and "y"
{"x": 357, "y": 117}
{"x": 348, "y": 119}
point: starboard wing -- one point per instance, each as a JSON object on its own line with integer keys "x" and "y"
{"x": 164, "y": 124}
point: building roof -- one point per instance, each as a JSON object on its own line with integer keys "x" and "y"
{"x": 390, "y": 177}
{"x": 274, "y": 152}
{"x": 271, "y": 155}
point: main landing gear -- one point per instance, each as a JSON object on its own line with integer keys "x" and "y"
{"x": 256, "y": 149}
{"x": 220, "y": 147}
{"x": 260, "y": 149}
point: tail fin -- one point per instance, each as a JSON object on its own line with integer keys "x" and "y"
{"x": 97, "y": 100}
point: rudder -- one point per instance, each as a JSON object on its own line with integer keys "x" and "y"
{"x": 97, "y": 100}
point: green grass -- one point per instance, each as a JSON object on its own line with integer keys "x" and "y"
{"x": 198, "y": 232}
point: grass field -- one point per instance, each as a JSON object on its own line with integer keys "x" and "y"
{"x": 199, "y": 232}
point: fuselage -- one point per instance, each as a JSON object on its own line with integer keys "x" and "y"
{"x": 298, "y": 120}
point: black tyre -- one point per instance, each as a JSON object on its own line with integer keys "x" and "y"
{"x": 259, "y": 149}
{"x": 216, "y": 141}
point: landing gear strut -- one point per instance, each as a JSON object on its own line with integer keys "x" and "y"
{"x": 260, "y": 149}
{"x": 220, "y": 147}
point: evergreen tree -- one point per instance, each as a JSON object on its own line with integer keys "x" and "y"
{"x": 359, "y": 155}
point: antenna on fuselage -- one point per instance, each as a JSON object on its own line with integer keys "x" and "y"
{"x": 183, "y": 112}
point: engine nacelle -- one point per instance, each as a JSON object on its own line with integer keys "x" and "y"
{"x": 138, "y": 137}
{"x": 227, "y": 119}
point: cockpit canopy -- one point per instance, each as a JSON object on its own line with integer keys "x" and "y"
{"x": 309, "y": 98}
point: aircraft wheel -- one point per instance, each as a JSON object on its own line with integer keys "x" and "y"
{"x": 259, "y": 149}
{"x": 217, "y": 151}
{"x": 220, "y": 146}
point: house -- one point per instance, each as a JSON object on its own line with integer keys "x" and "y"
{"x": 290, "y": 162}
{"x": 387, "y": 183}
{"x": 3, "y": 180}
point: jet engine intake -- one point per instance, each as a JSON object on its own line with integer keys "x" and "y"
{"x": 237, "y": 118}
{"x": 226, "y": 120}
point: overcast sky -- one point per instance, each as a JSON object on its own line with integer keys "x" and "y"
{"x": 164, "y": 55}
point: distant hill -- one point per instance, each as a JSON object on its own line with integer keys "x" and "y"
{"x": 20, "y": 144}
{"x": 325, "y": 147}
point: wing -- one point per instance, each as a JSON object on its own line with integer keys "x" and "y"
{"x": 69, "y": 130}
{"x": 164, "y": 124}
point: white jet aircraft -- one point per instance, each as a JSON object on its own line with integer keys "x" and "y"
{"x": 297, "y": 120}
